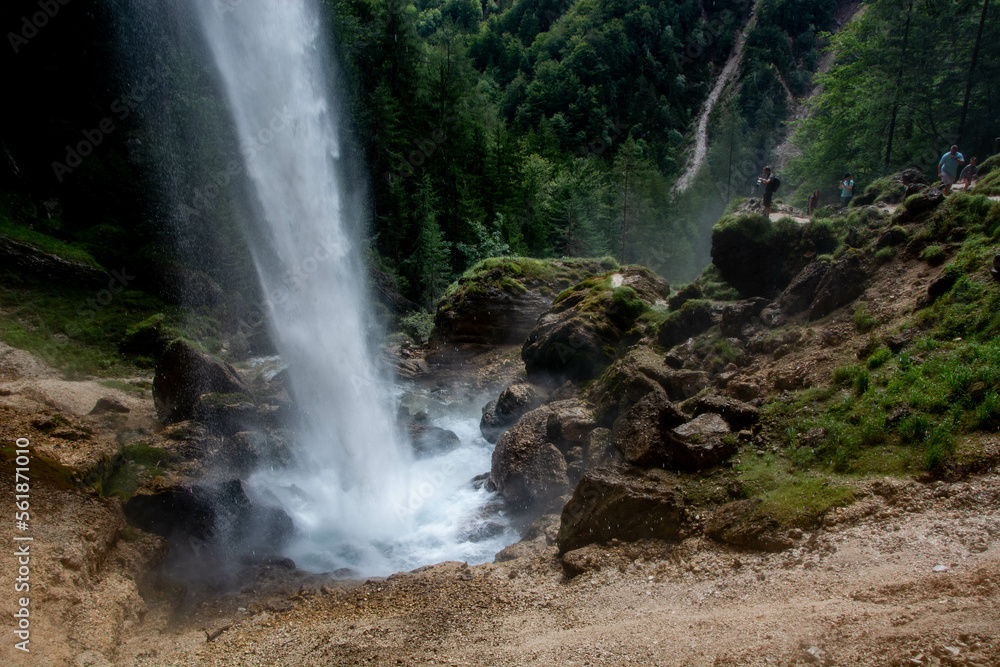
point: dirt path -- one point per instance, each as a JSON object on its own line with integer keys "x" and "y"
{"x": 701, "y": 133}
{"x": 909, "y": 575}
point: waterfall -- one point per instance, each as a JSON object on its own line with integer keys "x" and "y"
{"x": 358, "y": 497}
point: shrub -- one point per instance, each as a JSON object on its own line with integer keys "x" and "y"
{"x": 862, "y": 320}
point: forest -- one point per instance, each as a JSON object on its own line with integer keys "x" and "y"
{"x": 541, "y": 128}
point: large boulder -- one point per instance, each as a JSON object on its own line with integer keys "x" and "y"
{"x": 500, "y": 414}
{"x": 624, "y": 503}
{"x": 184, "y": 374}
{"x": 701, "y": 443}
{"x": 642, "y": 434}
{"x": 527, "y": 468}
{"x": 639, "y": 372}
{"x": 916, "y": 206}
{"x": 499, "y": 300}
{"x": 842, "y": 283}
{"x": 759, "y": 258}
{"x": 582, "y": 331}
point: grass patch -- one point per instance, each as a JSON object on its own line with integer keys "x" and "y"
{"x": 862, "y": 320}
{"x": 46, "y": 243}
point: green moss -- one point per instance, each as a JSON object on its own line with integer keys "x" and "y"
{"x": 862, "y": 320}
{"x": 933, "y": 255}
{"x": 46, "y": 243}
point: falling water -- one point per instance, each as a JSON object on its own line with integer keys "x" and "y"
{"x": 357, "y": 495}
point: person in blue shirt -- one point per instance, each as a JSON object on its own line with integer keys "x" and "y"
{"x": 846, "y": 189}
{"x": 948, "y": 168}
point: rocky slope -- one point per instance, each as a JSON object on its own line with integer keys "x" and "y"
{"x": 715, "y": 475}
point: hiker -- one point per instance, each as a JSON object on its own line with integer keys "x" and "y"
{"x": 813, "y": 202}
{"x": 846, "y": 190}
{"x": 948, "y": 168}
{"x": 770, "y": 183}
{"x": 970, "y": 173}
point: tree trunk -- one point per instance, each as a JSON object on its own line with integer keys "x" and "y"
{"x": 972, "y": 70}
{"x": 899, "y": 79}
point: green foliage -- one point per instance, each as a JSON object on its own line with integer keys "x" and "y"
{"x": 862, "y": 320}
{"x": 417, "y": 326}
{"x": 45, "y": 243}
{"x": 136, "y": 460}
{"x": 933, "y": 255}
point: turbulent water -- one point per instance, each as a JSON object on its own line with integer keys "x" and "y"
{"x": 357, "y": 495}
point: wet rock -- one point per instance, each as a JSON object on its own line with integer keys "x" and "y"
{"x": 624, "y": 503}
{"x": 745, "y": 524}
{"x": 527, "y": 468}
{"x": 701, "y": 443}
{"x": 429, "y": 440}
{"x": 693, "y": 318}
{"x": 570, "y": 423}
{"x": 183, "y": 374}
{"x": 641, "y": 435}
{"x": 844, "y": 282}
{"x": 482, "y": 531}
{"x": 740, "y": 318}
{"x": 738, "y": 415}
{"x": 599, "y": 450}
{"x": 500, "y": 414}
{"x": 545, "y": 526}
{"x": 226, "y": 414}
{"x": 108, "y": 404}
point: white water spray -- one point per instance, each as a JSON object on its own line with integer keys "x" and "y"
{"x": 357, "y": 496}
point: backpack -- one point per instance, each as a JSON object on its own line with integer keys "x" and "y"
{"x": 775, "y": 184}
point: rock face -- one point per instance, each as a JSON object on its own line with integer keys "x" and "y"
{"x": 737, "y": 414}
{"x": 741, "y": 319}
{"x": 744, "y": 524}
{"x": 624, "y": 503}
{"x": 499, "y": 301}
{"x": 621, "y": 386}
{"x": 183, "y": 374}
{"x": 500, "y": 414}
{"x": 801, "y": 291}
{"x": 533, "y": 461}
{"x": 580, "y": 334}
{"x": 642, "y": 434}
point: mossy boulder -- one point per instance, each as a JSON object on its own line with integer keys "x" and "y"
{"x": 150, "y": 337}
{"x": 695, "y": 317}
{"x": 499, "y": 300}
{"x": 500, "y": 414}
{"x": 624, "y": 383}
{"x": 582, "y": 332}
{"x": 892, "y": 189}
{"x": 759, "y": 258}
{"x": 917, "y": 206}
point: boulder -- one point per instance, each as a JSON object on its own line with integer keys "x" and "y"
{"x": 631, "y": 377}
{"x": 685, "y": 294}
{"x": 917, "y": 205}
{"x": 149, "y": 337}
{"x": 226, "y": 414}
{"x": 181, "y": 285}
{"x": 624, "y": 503}
{"x": 242, "y": 452}
{"x": 23, "y": 257}
{"x": 429, "y": 440}
{"x": 108, "y": 404}
{"x": 693, "y": 318}
{"x": 499, "y": 301}
{"x": 801, "y": 292}
{"x": 844, "y": 282}
{"x": 183, "y": 374}
{"x": 741, "y": 318}
{"x": 599, "y": 451}
{"x": 741, "y": 250}
{"x": 738, "y": 415}
{"x": 745, "y": 524}
{"x": 683, "y": 384}
{"x": 701, "y": 443}
{"x": 642, "y": 434}
{"x": 500, "y": 414}
{"x": 527, "y": 468}
{"x": 580, "y": 334}
{"x": 570, "y": 423}
{"x": 891, "y": 237}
